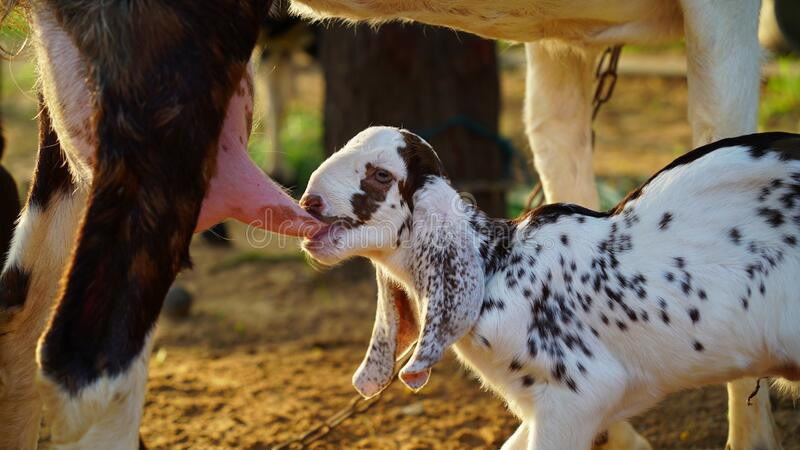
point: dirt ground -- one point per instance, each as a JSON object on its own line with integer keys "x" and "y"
{"x": 271, "y": 343}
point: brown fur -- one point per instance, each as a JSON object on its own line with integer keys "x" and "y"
{"x": 158, "y": 110}
{"x": 157, "y": 143}
{"x": 421, "y": 162}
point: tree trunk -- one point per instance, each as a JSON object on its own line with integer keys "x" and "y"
{"x": 435, "y": 82}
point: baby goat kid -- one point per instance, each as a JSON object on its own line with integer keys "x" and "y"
{"x": 576, "y": 318}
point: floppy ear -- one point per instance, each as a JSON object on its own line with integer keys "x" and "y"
{"x": 448, "y": 278}
{"x": 395, "y": 330}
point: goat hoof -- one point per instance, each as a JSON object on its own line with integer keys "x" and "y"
{"x": 177, "y": 303}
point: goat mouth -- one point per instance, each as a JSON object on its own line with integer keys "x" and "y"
{"x": 326, "y": 232}
{"x": 327, "y": 244}
{"x": 323, "y": 245}
{"x": 335, "y": 223}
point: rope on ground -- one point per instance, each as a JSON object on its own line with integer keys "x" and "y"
{"x": 355, "y": 406}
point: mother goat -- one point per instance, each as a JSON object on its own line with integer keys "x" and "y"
{"x": 145, "y": 114}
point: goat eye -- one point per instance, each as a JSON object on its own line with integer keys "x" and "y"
{"x": 382, "y": 176}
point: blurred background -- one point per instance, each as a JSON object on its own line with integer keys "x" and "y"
{"x": 257, "y": 345}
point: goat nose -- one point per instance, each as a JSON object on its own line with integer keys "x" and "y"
{"x": 312, "y": 203}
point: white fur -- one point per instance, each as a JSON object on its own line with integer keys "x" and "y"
{"x": 105, "y": 414}
{"x": 42, "y": 242}
{"x": 633, "y": 362}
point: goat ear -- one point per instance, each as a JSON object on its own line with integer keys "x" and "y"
{"x": 395, "y": 330}
{"x": 449, "y": 281}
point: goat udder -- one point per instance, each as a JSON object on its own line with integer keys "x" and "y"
{"x": 242, "y": 191}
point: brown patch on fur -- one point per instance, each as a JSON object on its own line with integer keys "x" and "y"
{"x": 372, "y": 194}
{"x": 52, "y": 175}
{"x": 167, "y": 115}
{"x": 601, "y": 439}
{"x": 421, "y": 163}
{"x": 407, "y": 328}
{"x": 141, "y": 266}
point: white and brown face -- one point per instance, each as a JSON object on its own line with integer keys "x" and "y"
{"x": 365, "y": 192}
{"x": 383, "y": 183}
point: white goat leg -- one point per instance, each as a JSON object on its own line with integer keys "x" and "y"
{"x": 41, "y": 245}
{"x": 558, "y": 119}
{"x": 105, "y": 415}
{"x": 723, "y": 77}
{"x": 750, "y": 426}
{"x": 723, "y": 68}
{"x": 562, "y": 420}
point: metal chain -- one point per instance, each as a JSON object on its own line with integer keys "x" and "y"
{"x": 606, "y": 77}
{"x": 356, "y": 405}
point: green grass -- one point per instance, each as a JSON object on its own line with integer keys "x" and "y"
{"x": 780, "y": 103}
{"x": 14, "y": 32}
{"x": 301, "y": 138}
